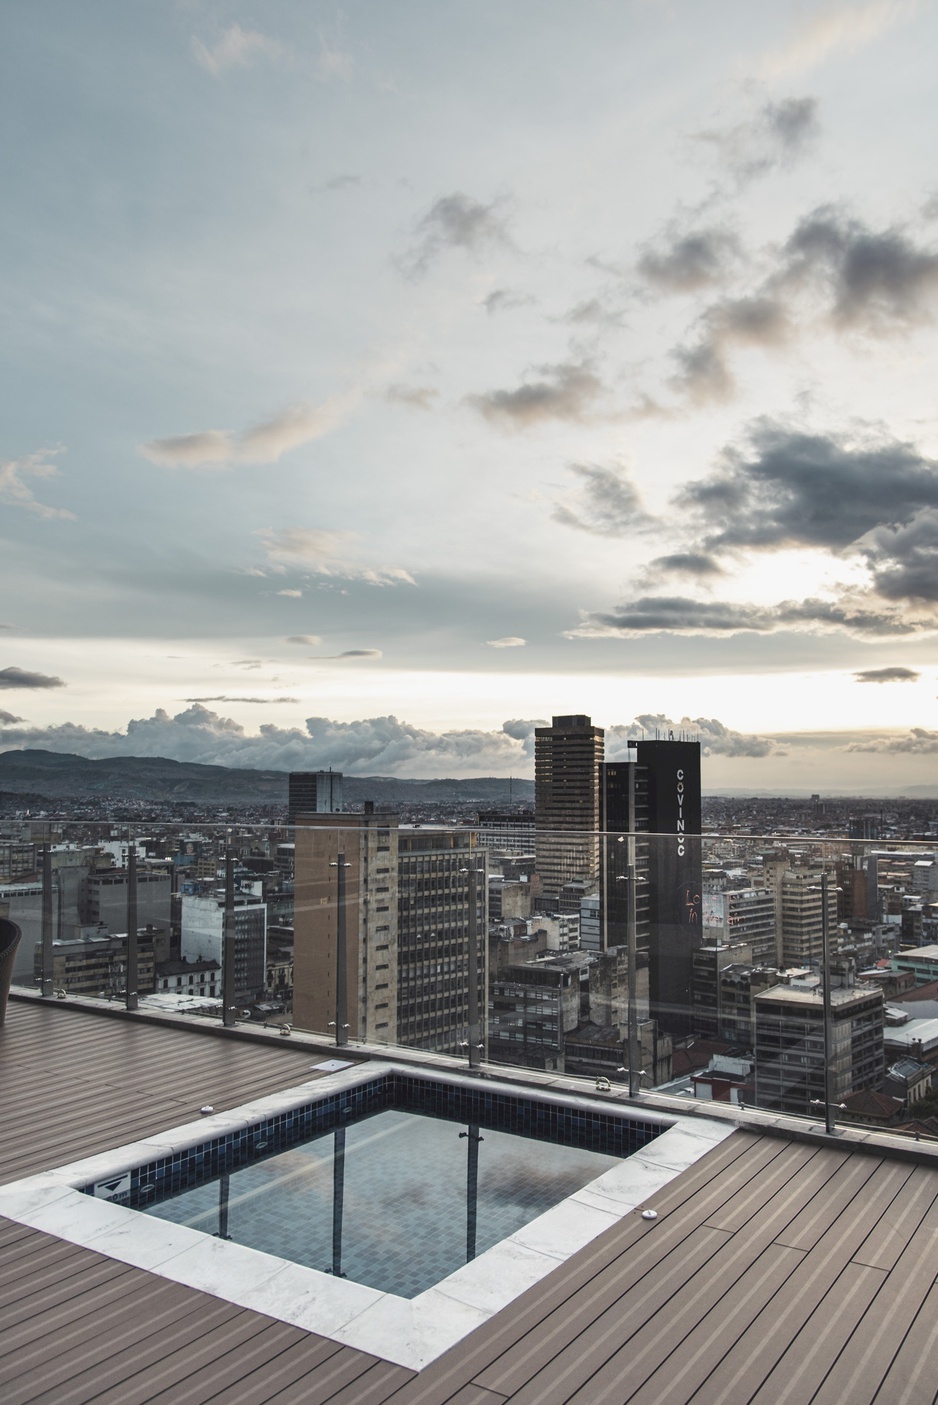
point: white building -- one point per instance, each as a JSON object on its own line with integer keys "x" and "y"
{"x": 202, "y": 934}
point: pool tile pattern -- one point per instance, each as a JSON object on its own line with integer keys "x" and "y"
{"x": 524, "y": 1114}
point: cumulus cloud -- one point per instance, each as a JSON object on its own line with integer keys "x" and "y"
{"x": 776, "y": 136}
{"x": 786, "y": 487}
{"x": 16, "y": 492}
{"x": 887, "y": 675}
{"x": 236, "y": 47}
{"x": 704, "y": 374}
{"x": 823, "y": 30}
{"x": 373, "y": 745}
{"x": 567, "y": 391}
{"x": 833, "y": 271}
{"x": 919, "y": 742}
{"x": 312, "y": 639}
{"x": 505, "y": 299}
{"x": 715, "y": 738}
{"x": 454, "y": 221}
{"x": 8, "y": 718}
{"x": 697, "y": 564}
{"x": 688, "y": 262}
{"x": 14, "y": 677}
{"x": 292, "y": 594}
{"x": 904, "y": 560}
{"x": 607, "y": 505}
{"x": 264, "y": 442}
{"x": 416, "y": 397}
{"x": 878, "y": 281}
{"x": 325, "y": 552}
{"x": 652, "y": 614}
{"x": 508, "y": 641}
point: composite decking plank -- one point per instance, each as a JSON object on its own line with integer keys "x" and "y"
{"x": 790, "y": 1189}
{"x": 659, "y": 1365}
{"x": 547, "y": 1356}
{"x": 879, "y": 1336}
{"x": 912, "y": 1378}
{"x": 107, "y": 1358}
{"x": 12, "y": 1230}
{"x": 844, "y": 1186}
{"x": 222, "y": 1377}
{"x": 376, "y": 1386}
{"x": 57, "y": 1333}
{"x": 899, "y": 1225}
{"x": 149, "y": 1375}
{"x": 808, "y": 1360}
{"x": 614, "y": 1354}
{"x": 799, "y": 1159}
{"x": 298, "y": 1359}
{"x": 113, "y": 1370}
{"x": 757, "y": 1351}
{"x": 344, "y": 1369}
{"x": 472, "y": 1394}
{"x": 91, "y": 1276}
{"x": 709, "y": 1183}
{"x": 55, "y": 1263}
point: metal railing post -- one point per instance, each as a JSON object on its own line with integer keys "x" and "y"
{"x": 46, "y": 983}
{"x": 229, "y": 1009}
{"x": 341, "y": 954}
{"x": 828, "y": 1010}
{"x": 131, "y": 981}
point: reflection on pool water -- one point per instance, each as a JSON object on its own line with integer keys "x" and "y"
{"x": 397, "y": 1201}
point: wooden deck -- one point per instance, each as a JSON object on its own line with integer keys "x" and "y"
{"x": 776, "y": 1271}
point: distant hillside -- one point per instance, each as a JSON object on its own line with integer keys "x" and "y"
{"x": 60, "y": 776}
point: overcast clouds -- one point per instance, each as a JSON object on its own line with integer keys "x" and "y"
{"x": 512, "y": 359}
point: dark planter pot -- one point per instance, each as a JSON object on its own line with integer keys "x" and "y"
{"x": 9, "y": 941}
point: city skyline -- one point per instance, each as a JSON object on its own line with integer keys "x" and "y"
{"x": 380, "y": 382}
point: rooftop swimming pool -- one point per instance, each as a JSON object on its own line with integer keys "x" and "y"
{"x": 389, "y": 1208}
{"x": 397, "y": 1200}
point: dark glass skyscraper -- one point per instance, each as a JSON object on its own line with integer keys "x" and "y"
{"x": 657, "y": 795}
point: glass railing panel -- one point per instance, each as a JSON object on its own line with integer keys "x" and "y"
{"x": 791, "y": 972}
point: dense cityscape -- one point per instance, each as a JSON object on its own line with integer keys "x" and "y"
{"x": 507, "y": 933}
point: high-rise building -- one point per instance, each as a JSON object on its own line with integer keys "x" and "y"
{"x": 314, "y": 793}
{"x": 789, "y": 1045}
{"x": 441, "y": 925}
{"x": 509, "y": 832}
{"x": 568, "y": 758}
{"x": 735, "y": 914}
{"x": 202, "y": 938}
{"x": 367, "y": 844}
{"x": 800, "y": 912}
{"x": 656, "y": 792}
{"x": 415, "y": 912}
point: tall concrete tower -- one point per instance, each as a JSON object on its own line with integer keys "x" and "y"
{"x": 568, "y": 758}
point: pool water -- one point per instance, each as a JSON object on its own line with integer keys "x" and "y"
{"x": 397, "y": 1200}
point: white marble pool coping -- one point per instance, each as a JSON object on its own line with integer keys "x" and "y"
{"x": 409, "y": 1331}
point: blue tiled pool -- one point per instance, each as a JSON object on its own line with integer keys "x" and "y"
{"x": 397, "y": 1200}
{"x": 394, "y": 1182}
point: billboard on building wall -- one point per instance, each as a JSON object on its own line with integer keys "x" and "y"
{"x": 714, "y": 908}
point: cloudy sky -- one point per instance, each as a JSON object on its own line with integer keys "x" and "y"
{"x": 379, "y": 379}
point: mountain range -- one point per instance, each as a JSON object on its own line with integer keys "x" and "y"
{"x": 60, "y": 776}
